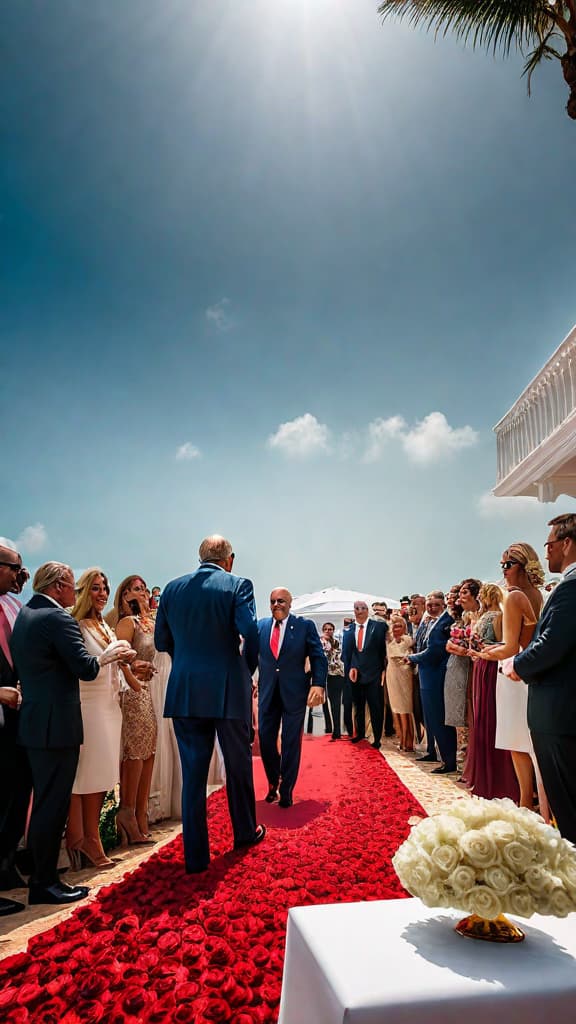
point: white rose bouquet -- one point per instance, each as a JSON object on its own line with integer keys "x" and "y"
{"x": 489, "y": 857}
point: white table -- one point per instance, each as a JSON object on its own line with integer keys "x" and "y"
{"x": 397, "y": 962}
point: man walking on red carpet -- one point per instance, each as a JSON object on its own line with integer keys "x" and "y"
{"x": 286, "y": 642}
{"x": 200, "y": 621}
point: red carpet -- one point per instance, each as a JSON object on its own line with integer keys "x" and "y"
{"x": 165, "y": 946}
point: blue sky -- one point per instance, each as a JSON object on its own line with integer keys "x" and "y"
{"x": 239, "y": 240}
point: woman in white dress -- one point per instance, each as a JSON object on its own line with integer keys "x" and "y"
{"x": 400, "y": 680}
{"x": 523, "y": 575}
{"x": 99, "y": 762}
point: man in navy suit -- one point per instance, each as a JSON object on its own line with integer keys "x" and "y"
{"x": 431, "y": 661}
{"x": 548, "y": 666}
{"x": 285, "y": 690}
{"x": 200, "y": 621}
{"x": 364, "y": 657}
{"x": 49, "y": 658}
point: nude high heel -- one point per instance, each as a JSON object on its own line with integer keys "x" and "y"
{"x": 128, "y": 831}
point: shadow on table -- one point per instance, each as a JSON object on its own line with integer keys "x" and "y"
{"x": 436, "y": 941}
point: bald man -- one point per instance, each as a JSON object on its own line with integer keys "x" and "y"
{"x": 285, "y": 689}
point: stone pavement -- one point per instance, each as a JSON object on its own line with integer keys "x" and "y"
{"x": 434, "y": 793}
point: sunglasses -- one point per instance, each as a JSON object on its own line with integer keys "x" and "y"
{"x": 508, "y": 564}
{"x": 277, "y": 600}
{"x": 11, "y": 565}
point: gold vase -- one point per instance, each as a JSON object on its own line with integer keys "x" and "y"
{"x": 499, "y": 929}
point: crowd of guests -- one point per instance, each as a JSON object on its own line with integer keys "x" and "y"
{"x": 442, "y": 673}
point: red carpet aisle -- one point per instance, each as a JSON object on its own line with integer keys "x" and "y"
{"x": 164, "y": 946}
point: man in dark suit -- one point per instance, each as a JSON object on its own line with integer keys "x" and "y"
{"x": 285, "y": 690}
{"x": 200, "y": 621}
{"x": 431, "y": 661}
{"x": 548, "y": 666}
{"x": 50, "y": 657}
{"x": 364, "y": 657}
{"x": 16, "y": 785}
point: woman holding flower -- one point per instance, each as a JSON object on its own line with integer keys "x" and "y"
{"x": 523, "y": 575}
{"x": 465, "y": 608}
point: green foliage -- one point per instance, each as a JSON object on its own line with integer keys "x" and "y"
{"x": 108, "y": 832}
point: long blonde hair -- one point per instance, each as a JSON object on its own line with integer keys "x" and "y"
{"x": 83, "y": 604}
{"x": 528, "y": 559}
{"x": 490, "y": 597}
{"x": 117, "y": 612}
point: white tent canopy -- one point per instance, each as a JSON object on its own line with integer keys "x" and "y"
{"x": 334, "y": 604}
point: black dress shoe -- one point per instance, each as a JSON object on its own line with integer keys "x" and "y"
{"x": 335, "y": 738}
{"x": 428, "y": 757}
{"x": 285, "y": 801}
{"x": 10, "y": 907}
{"x": 196, "y": 871}
{"x": 376, "y": 746}
{"x": 272, "y": 795}
{"x": 358, "y": 739}
{"x": 57, "y": 893}
{"x": 257, "y": 837}
{"x": 443, "y": 770}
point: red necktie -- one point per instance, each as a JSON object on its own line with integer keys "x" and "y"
{"x": 360, "y": 640}
{"x": 5, "y": 636}
{"x": 275, "y": 640}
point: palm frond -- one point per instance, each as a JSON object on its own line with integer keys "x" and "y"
{"x": 493, "y": 24}
{"x": 542, "y": 52}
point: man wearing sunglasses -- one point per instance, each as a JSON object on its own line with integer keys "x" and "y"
{"x": 14, "y": 769}
{"x": 548, "y": 666}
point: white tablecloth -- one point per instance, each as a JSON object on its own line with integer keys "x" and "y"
{"x": 397, "y": 962}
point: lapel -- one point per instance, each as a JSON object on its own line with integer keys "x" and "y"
{"x": 288, "y": 634}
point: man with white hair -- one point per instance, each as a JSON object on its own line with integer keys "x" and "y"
{"x": 50, "y": 657}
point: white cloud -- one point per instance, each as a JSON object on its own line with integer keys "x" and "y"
{"x": 187, "y": 451}
{"x": 29, "y": 541}
{"x": 491, "y": 507}
{"x": 430, "y": 440}
{"x": 380, "y": 432}
{"x": 301, "y": 437}
{"x": 218, "y": 315}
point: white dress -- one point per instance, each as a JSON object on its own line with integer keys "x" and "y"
{"x": 166, "y": 788}
{"x": 99, "y": 762}
{"x": 512, "y": 731}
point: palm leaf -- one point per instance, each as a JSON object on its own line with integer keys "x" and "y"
{"x": 493, "y": 24}
{"x": 542, "y": 52}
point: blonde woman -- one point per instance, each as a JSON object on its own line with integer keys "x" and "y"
{"x": 400, "y": 680}
{"x": 99, "y": 762}
{"x": 489, "y": 772}
{"x": 139, "y": 725}
{"x": 523, "y": 576}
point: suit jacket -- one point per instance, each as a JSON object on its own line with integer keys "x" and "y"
{"x": 548, "y": 664}
{"x": 371, "y": 660}
{"x": 199, "y": 622}
{"x": 300, "y": 641}
{"x": 50, "y": 657}
{"x": 432, "y": 660}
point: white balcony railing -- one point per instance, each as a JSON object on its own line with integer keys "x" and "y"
{"x": 544, "y": 406}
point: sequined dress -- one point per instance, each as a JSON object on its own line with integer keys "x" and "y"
{"x": 139, "y": 725}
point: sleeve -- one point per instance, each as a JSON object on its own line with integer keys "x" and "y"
{"x": 556, "y": 637}
{"x": 163, "y": 639}
{"x": 315, "y": 652}
{"x": 67, "y": 639}
{"x": 245, "y": 608}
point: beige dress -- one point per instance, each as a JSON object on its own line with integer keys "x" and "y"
{"x": 139, "y": 725}
{"x": 399, "y": 676}
{"x": 99, "y": 762}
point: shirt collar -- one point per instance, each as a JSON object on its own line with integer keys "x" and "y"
{"x": 53, "y": 600}
{"x": 569, "y": 570}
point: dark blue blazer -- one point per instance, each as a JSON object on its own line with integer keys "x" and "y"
{"x": 371, "y": 660}
{"x": 50, "y": 657}
{"x": 199, "y": 622}
{"x": 433, "y": 659}
{"x": 548, "y": 664}
{"x": 300, "y": 641}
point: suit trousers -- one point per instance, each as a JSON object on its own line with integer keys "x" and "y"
{"x": 372, "y": 695}
{"x": 53, "y": 773}
{"x": 195, "y": 737}
{"x": 282, "y": 766}
{"x": 556, "y": 756}
{"x": 15, "y": 792}
{"x": 347, "y": 706}
{"x": 335, "y": 688}
{"x": 437, "y": 732}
